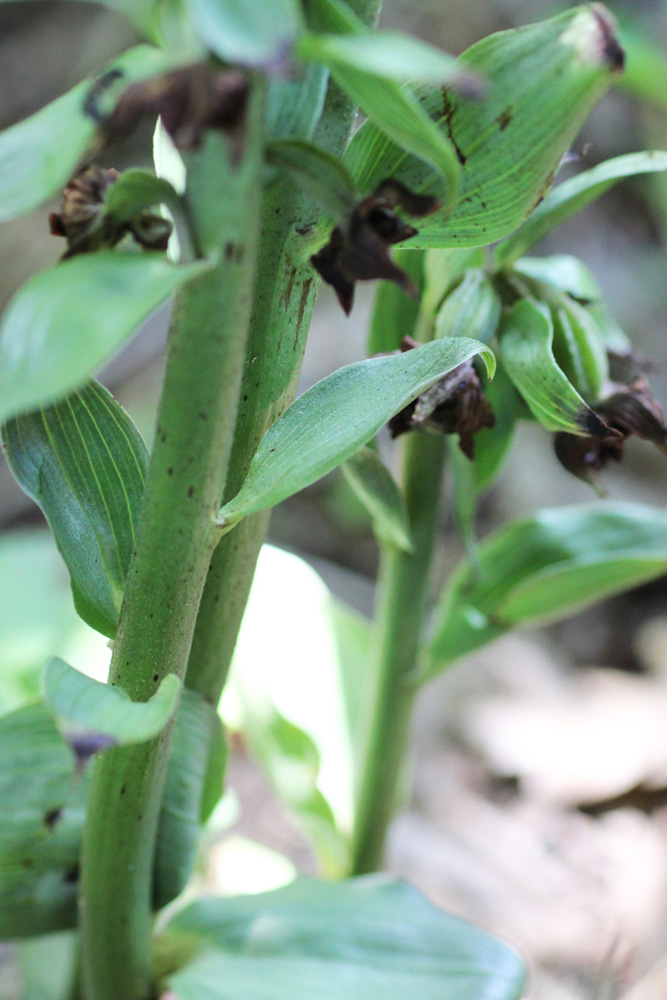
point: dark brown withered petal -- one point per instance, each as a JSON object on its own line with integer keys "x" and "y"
{"x": 585, "y": 456}
{"x": 189, "y": 100}
{"x": 455, "y": 404}
{"x": 359, "y": 251}
{"x": 634, "y": 410}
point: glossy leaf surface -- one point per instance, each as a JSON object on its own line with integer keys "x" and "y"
{"x": 471, "y": 310}
{"x": 259, "y": 34}
{"x": 545, "y": 567}
{"x": 365, "y": 938}
{"x": 572, "y": 195}
{"x": 84, "y": 463}
{"x": 40, "y": 154}
{"x": 106, "y": 711}
{"x": 62, "y": 325}
{"x": 508, "y": 143}
{"x": 294, "y": 103}
{"x": 375, "y": 486}
{"x": 385, "y": 54}
{"x": 198, "y": 755}
{"x": 526, "y": 347}
{"x": 334, "y": 418}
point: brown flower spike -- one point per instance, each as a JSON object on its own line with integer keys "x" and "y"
{"x": 359, "y": 250}
{"x": 455, "y": 404}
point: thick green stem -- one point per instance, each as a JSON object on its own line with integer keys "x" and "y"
{"x": 403, "y": 587}
{"x": 175, "y": 541}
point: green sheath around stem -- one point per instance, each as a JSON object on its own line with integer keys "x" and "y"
{"x": 175, "y": 541}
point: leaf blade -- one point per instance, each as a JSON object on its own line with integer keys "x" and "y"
{"x": 259, "y": 34}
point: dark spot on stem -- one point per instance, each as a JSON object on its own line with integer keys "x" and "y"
{"x": 170, "y": 471}
{"x": 123, "y": 790}
{"x": 191, "y": 491}
{"x": 52, "y": 816}
{"x": 155, "y": 677}
{"x": 72, "y": 875}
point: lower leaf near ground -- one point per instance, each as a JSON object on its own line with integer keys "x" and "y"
{"x": 363, "y": 939}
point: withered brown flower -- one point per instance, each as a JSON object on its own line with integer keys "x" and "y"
{"x": 455, "y": 404}
{"x": 359, "y": 250}
{"x": 629, "y": 409}
{"x": 189, "y": 100}
{"x": 86, "y": 226}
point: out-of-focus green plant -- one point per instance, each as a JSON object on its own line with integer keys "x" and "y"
{"x": 266, "y": 192}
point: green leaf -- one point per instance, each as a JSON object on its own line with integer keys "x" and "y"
{"x": 319, "y": 173}
{"x": 87, "y": 706}
{"x": 572, "y": 195}
{"x": 526, "y": 341}
{"x": 259, "y": 34}
{"x": 136, "y": 190}
{"x": 395, "y": 313}
{"x": 375, "y": 486}
{"x": 41, "y": 824}
{"x": 334, "y": 418}
{"x": 48, "y": 966}
{"x": 84, "y": 463}
{"x": 140, "y": 12}
{"x": 540, "y": 83}
{"x": 294, "y": 104}
{"x": 198, "y": 752}
{"x": 365, "y": 938}
{"x": 40, "y": 154}
{"x": 442, "y": 270}
{"x": 387, "y": 54}
{"x": 546, "y": 567}
{"x": 471, "y": 310}
{"x": 579, "y": 348}
{"x": 492, "y": 444}
{"x": 67, "y": 321}
{"x": 566, "y": 273}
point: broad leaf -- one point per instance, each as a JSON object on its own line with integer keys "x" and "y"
{"x": 545, "y": 567}
{"x": 365, "y": 938}
{"x": 493, "y": 443}
{"x": 471, "y": 310}
{"x": 510, "y": 142}
{"x": 566, "y": 273}
{"x": 337, "y": 416}
{"x": 442, "y": 270}
{"x": 41, "y": 823}
{"x": 193, "y": 786}
{"x": 67, "y": 321}
{"x": 571, "y": 196}
{"x": 375, "y": 486}
{"x": 579, "y": 347}
{"x": 526, "y": 347}
{"x": 317, "y": 172}
{"x": 49, "y": 966}
{"x": 40, "y": 154}
{"x": 386, "y": 54}
{"x": 86, "y": 706}
{"x": 136, "y": 190}
{"x": 84, "y": 463}
{"x": 260, "y": 34}
{"x": 294, "y": 103}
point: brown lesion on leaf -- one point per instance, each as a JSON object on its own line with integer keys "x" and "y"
{"x": 358, "y": 250}
{"x": 505, "y": 118}
{"x": 455, "y": 404}
{"x": 84, "y": 222}
{"x": 188, "y": 100}
{"x": 448, "y": 116}
{"x": 612, "y": 51}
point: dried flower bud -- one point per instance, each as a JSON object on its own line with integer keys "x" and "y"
{"x": 455, "y": 404}
{"x": 81, "y": 219}
{"x": 585, "y": 456}
{"x": 359, "y": 251}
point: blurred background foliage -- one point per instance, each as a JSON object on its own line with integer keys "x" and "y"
{"x": 45, "y": 48}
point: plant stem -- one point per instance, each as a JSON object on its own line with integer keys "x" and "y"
{"x": 175, "y": 542}
{"x": 403, "y": 586}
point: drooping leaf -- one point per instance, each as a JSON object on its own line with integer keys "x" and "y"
{"x": 375, "y": 486}
{"x": 509, "y": 143}
{"x": 545, "y": 567}
{"x": 261, "y": 34}
{"x": 565, "y": 272}
{"x": 365, "y": 938}
{"x": 294, "y": 103}
{"x": 526, "y": 342}
{"x": 578, "y": 347}
{"x": 471, "y": 310}
{"x": 317, "y": 172}
{"x": 86, "y": 706}
{"x": 136, "y": 190}
{"x": 198, "y": 752}
{"x": 41, "y": 823}
{"x": 394, "y": 312}
{"x": 40, "y": 154}
{"x": 387, "y": 54}
{"x": 574, "y": 194}
{"x": 84, "y": 463}
{"x": 67, "y": 321}
{"x": 334, "y": 418}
